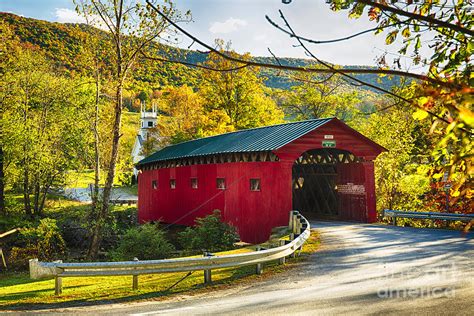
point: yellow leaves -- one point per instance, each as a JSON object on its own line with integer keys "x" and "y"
{"x": 420, "y": 115}
{"x": 422, "y": 101}
{"x": 374, "y": 14}
{"x": 466, "y": 116}
{"x": 391, "y": 37}
{"x": 450, "y": 128}
{"x": 406, "y": 32}
{"x": 455, "y": 193}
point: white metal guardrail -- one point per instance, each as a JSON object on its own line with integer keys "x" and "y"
{"x": 427, "y": 215}
{"x": 297, "y": 223}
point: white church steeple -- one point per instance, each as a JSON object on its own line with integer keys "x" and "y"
{"x": 147, "y": 119}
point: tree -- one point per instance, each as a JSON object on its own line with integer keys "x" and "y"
{"x": 183, "y": 116}
{"x": 43, "y": 126}
{"x": 401, "y": 173}
{"x": 447, "y": 96}
{"x": 9, "y": 46}
{"x": 238, "y": 92}
{"x": 317, "y": 97}
{"x": 131, "y": 27}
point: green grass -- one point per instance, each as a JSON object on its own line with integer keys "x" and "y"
{"x": 82, "y": 179}
{"x": 17, "y": 291}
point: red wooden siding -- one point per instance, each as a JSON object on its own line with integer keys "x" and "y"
{"x": 255, "y": 213}
{"x": 345, "y": 137}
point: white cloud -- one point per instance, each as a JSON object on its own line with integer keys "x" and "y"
{"x": 64, "y": 15}
{"x": 228, "y": 26}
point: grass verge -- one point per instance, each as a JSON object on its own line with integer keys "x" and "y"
{"x": 19, "y": 292}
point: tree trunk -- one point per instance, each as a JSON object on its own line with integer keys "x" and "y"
{"x": 2, "y": 186}
{"x": 120, "y": 78}
{"x": 26, "y": 191}
{"x": 43, "y": 199}
{"x": 97, "y": 227}
{"x": 104, "y": 211}
{"x": 36, "y": 197}
{"x": 95, "y": 193}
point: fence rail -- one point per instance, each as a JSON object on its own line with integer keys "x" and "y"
{"x": 2, "y": 235}
{"x": 427, "y": 215}
{"x": 300, "y": 233}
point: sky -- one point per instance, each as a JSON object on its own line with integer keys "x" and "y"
{"x": 243, "y": 23}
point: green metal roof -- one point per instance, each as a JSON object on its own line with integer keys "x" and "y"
{"x": 250, "y": 140}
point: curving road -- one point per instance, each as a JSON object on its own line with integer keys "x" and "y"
{"x": 360, "y": 269}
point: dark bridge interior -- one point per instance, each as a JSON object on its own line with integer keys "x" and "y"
{"x": 315, "y": 180}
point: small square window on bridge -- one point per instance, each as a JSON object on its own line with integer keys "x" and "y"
{"x": 220, "y": 182}
{"x": 172, "y": 183}
{"x": 154, "y": 184}
{"x": 254, "y": 184}
{"x": 194, "y": 183}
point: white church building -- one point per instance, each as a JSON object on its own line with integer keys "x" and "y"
{"x": 148, "y": 120}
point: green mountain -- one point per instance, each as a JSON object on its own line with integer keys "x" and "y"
{"x": 63, "y": 43}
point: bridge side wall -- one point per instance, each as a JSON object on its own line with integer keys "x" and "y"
{"x": 254, "y": 213}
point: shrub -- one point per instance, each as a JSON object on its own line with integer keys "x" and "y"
{"x": 19, "y": 257}
{"x": 50, "y": 242}
{"x": 145, "y": 242}
{"x": 209, "y": 234}
{"x": 43, "y": 242}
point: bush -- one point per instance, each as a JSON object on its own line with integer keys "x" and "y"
{"x": 19, "y": 257}
{"x": 44, "y": 242}
{"x": 50, "y": 242}
{"x": 146, "y": 242}
{"x": 209, "y": 234}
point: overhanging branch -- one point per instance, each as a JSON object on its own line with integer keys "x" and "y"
{"x": 429, "y": 19}
{"x": 326, "y": 70}
{"x": 355, "y": 79}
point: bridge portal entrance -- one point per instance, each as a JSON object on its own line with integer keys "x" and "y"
{"x": 330, "y": 183}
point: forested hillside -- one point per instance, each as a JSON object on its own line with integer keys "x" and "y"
{"x": 63, "y": 43}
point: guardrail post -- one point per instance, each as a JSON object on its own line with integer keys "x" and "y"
{"x": 394, "y": 221}
{"x": 207, "y": 272}
{"x": 58, "y": 285}
{"x": 292, "y": 237}
{"x": 207, "y": 277}
{"x": 290, "y": 223}
{"x": 298, "y": 225}
{"x": 259, "y": 269}
{"x": 135, "y": 278}
{"x": 282, "y": 243}
{"x": 295, "y": 213}
{"x": 58, "y": 282}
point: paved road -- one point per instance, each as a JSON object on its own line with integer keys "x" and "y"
{"x": 361, "y": 269}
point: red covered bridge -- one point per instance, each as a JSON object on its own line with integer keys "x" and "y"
{"x": 320, "y": 167}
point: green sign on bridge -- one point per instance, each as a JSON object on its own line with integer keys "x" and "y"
{"x": 329, "y": 143}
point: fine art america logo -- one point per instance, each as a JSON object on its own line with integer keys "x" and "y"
{"x": 418, "y": 282}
